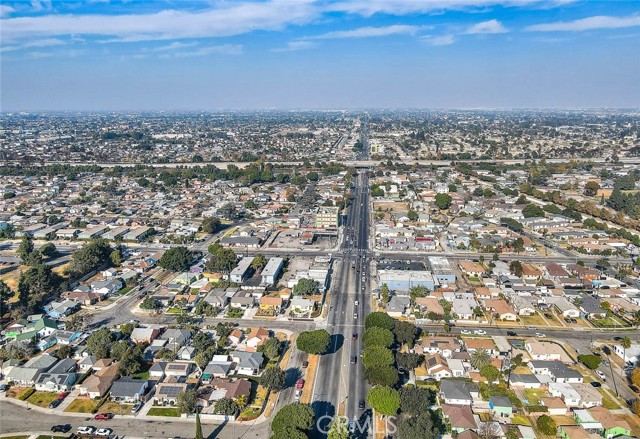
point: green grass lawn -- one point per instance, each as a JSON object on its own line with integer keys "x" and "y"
{"x": 48, "y": 436}
{"x": 533, "y": 396}
{"x": 42, "y": 399}
{"x": 164, "y": 411}
{"x": 520, "y": 420}
{"x": 609, "y": 322}
{"x": 124, "y": 291}
{"x": 608, "y": 402}
{"x": 235, "y": 313}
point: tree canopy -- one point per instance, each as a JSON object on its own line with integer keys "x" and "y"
{"x": 381, "y": 375}
{"x": 273, "y": 379}
{"x": 223, "y": 260}
{"x": 377, "y": 336}
{"x": 176, "y": 259}
{"x": 379, "y": 319}
{"x": 384, "y": 400}
{"x": 313, "y": 342}
{"x": 591, "y": 361}
{"x": 306, "y": 287}
{"x": 443, "y": 201}
{"x": 292, "y": 420}
{"x": 377, "y": 356}
{"x": 415, "y": 400}
{"x": 90, "y": 257}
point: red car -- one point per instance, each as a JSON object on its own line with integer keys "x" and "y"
{"x": 103, "y": 416}
{"x": 300, "y": 384}
{"x": 63, "y": 395}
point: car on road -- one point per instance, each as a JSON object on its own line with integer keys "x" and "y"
{"x": 300, "y": 384}
{"x": 297, "y": 395}
{"x": 355, "y": 316}
{"x": 305, "y": 364}
{"x": 103, "y": 416}
{"x": 540, "y": 335}
{"x": 361, "y": 404}
{"x": 104, "y": 432}
{"x": 605, "y": 362}
{"x": 465, "y": 332}
{"x": 617, "y": 338}
{"x": 55, "y": 403}
{"x": 634, "y": 388}
{"x": 355, "y": 336}
{"x": 352, "y": 426}
{"x": 4, "y": 387}
{"x": 86, "y": 429}
{"x": 601, "y": 374}
{"x": 480, "y": 332}
{"x": 596, "y": 384}
{"x": 354, "y": 359}
{"x": 356, "y": 303}
{"x": 61, "y": 428}
{"x": 136, "y": 407}
{"x": 512, "y": 333}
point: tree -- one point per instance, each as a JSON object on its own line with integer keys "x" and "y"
{"x": 591, "y": 188}
{"x": 490, "y": 372}
{"x": 127, "y": 328}
{"x": 379, "y": 319}
{"x": 384, "y": 293}
{"x": 5, "y": 295}
{"x": 225, "y": 406}
{"x": 415, "y": 400}
{"x": 130, "y": 361}
{"x": 626, "y": 344}
{"x": 99, "y": 343}
{"x": 338, "y": 430}
{"x": 313, "y": 342}
{"x": 515, "y": 267}
{"x": 381, "y": 375}
{"x": 635, "y": 376}
{"x": 150, "y": 303}
{"x": 635, "y": 407}
{"x": 546, "y": 425}
{"x": 479, "y": 358}
{"x": 273, "y": 379}
{"x": 259, "y": 261}
{"x": 223, "y": 260}
{"x": 49, "y": 250}
{"x": 64, "y": 351}
{"x": 521, "y": 200}
{"x": 412, "y": 215}
{"x": 228, "y": 212}
{"x": 199, "y": 434}
{"x": 591, "y": 361}
{"x": 292, "y": 420}
{"x": 443, "y": 201}
{"x": 377, "y": 356}
{"x": 26, "y": 249}
{"x": 384, "y": 400}
{"x": 271, "y": 348}
{"x": 35, "y": 284}
{"x": 417, "y": 427}
{"x": 306, "y": 287}
{"x": 405, "y": 332}
{"x": 532, "y": 210}
{"x": 186, "y": 401}
{"x": 118, "y": 349}
{"x": 513, "y": 433}
{"x": 211, "y": 225}
{"x": 376, "y": 336}
{"x": 409, "y": 360}
{"x": 90, "y": 257}
{"x": 116, "y": 257}
{"x": 176, "y": 259}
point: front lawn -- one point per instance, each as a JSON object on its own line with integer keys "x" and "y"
{"x": 235, "y": 313}
{"x": 608, "y": 402}
{"x": 609, "y": 322}
{"x": 42, "y": 399}
{"x": 124, "y": 291}
{"x": 164, "y": 411}
{"x": 82, "y": 404}
{"x": 117, "y": 408}
{"x": 18, "y": 392}
{"x": 520, "y": 420}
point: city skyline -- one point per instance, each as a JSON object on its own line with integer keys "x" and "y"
{"x": 167, "y": 55}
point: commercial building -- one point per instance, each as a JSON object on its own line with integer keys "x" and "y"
{"x": 271, "y": 271}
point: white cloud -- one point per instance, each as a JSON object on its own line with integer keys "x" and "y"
{"x": 405, "y": 7}
{"x": 174, "y": 46}
{"x": 487, "y": 27}
{"x": 5, "y": 10}
{"x": 440, "y": 40}
{"x": 47, "y": 42}
{"x": 364, "y": 32}
{"x": 294, "y": 46}
{"x": 590, "y": 23}
{"x": 224, "y": 20}
{"x": 40, "y": 5}
{"x": 224, "y": 49}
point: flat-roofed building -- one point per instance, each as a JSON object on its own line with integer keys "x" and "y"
{"x": 271, "y": 271}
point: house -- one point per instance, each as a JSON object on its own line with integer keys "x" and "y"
{"x": 584, "y": 419}
{"x": 612, "y": 424}
{"x": 444, "y": 346}
{"x": 247, "y": 363}
{"x": 460, "y": 417}
{"x": 589, "y": 395}
{"x": 501, "y": 308}
{"x": 28, "y": 373}
{"x": 566, "y": 308}
{"x": 235, "y": 337}
{"x": 546, "y": 350}
{"x": 555, "y": 406}
{"x": 471, "y": 269}
{"x": 590, "y": 307}
{"x": 302, "y": 306}
{"x": 167, "y": 393}
{"x": 463, "y": 307}
{"x": 398, "y": 305}
{"x": 106, "y": 287}
{"x": 178, "y": 369}
{"x": 60, "y": 377}
{"x": 186, "y": 353}
{"x": 57, "y": 310}
{"x": 257, "y": 337}
{"x": 175, "y": 338}
{"x": 458, "y": 392}
{"x": 271, "y": 271}
{"x": 128, "y": 390}
{"x": 565, "y": 392}
{"x": 525, "y": 381}
{"x": 98, "y": 384}
{"x": 270, "y": 304}
{"x": 219, "y": 367}
{"x": 44, "y": 327}
{"x": 66, "y": 337}
{"x": 144, "y": 335}
{"x": 573, "y": 432}
{"x": 632, "y": 354}
{"x": 522, "y": 305}
{"x": 242, "y": 271}
{"x": 473, "y": 344}
{"x": 501, "y": 406}
{"x": 429, "y": 305}
{"x": 223, "y": 388}
{"x": 557, "y": 370}
{"x": 437, "y": 367}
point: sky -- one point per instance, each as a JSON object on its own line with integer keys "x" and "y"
{"x": 138, "y": 55}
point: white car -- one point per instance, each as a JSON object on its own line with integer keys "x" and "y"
{"x": 540, "y": 335}
{"x": 480, "y": 332}
{"x": 465, "y": 332}
{"x": 86, "y": 430}
{"x": 602, "y": 376}
{"x": 356, "y": 303}
{"x": 104, "y": 432}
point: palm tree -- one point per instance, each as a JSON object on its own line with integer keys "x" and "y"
{"x": 479, "y": 358}
{"x": 626, "y": 344}
{"x": 241, "y": 401}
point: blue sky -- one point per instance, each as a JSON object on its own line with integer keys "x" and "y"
{"x": 216, "y": 54}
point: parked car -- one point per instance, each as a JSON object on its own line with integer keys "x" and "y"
{"x": 136, "y": 407}
{"x": 355, "y": 316}
{"x": 480, "y": 332}
{"x": 354, "y": 359}
{"x": 547, "y": 315}
{"x": 297, "y": 395}
{"x": 300, "y": 384}
{"x": 602, "y": 376}
{"x": 596, "y": 384}
{"x": 574, "y": 321}
{"x": 356, "y": 303}
{"x": 103, "y": 416}
{"x": 4, "y": 387}
{"x": 63, "y": 395}
{"x": 634, "y": 388}
{"x": 540, "y": 335}
{"x": 86, "y": 430}
{"x": 305, "y": 364}
{"x": 104, "y": 432}
{"x": 361, "y": 404}
{"x": 567, "y": 319}
{"x": 61, "y": 428}
{"x": 55, "y": 403}
{"x": 512, "y": 333}
{"x": 355, "y": 336}
{"x": 465, "y": 332}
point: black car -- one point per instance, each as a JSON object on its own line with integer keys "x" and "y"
{"x": 354, "y": 359}
{"x": 361, "y": 404}
{"x": 596, "y": 384}
{"x": 61, "y": 428}
{"x": 511, "y": 333}
{"x": 355, "y": 336}
{"x": 634, "y": 388}
{"x": 547, "y": 315}
{"x": 55, "y": 403}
